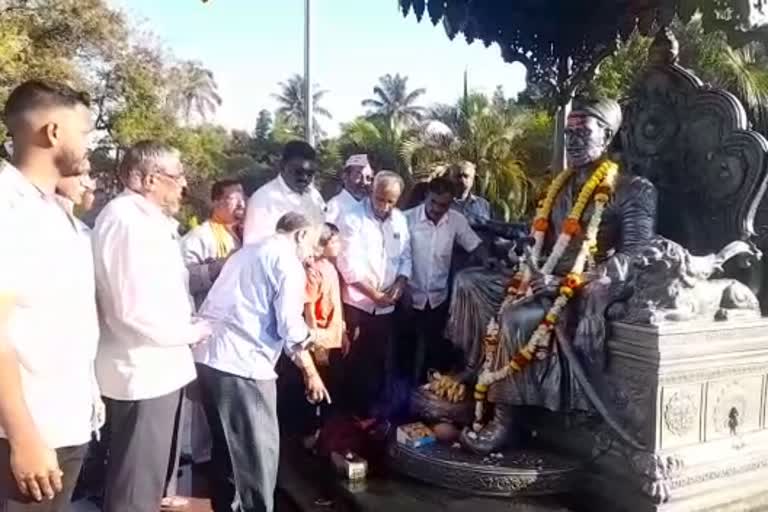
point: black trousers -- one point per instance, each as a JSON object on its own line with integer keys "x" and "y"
{"x": 11, "y": 499}
{"x": 142, "y": 451}
{"x": 298, "y": 416}
{"x": 422, "y": 345}
{"x": 369, "y": 366}
{"x": 242, "y": 414}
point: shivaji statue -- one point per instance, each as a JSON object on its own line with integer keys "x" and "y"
{"x": 589, "y": 224}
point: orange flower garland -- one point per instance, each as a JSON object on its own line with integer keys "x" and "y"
{"x": 600, "y": 186}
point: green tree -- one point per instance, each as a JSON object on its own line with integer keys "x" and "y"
{"x": 381, "y": 141}
{"x": 617, "y": 73}
{"x": 193, "y": 90}
{"x": 394, "y": 103}
{"x": 510, "y": 146}
{"x": 293, "y": 105}
{"x": 742, "y": 70}
{"x": 63, "y": 40}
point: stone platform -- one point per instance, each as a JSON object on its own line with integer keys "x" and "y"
{"x": 695, "y": 394}
{"x": 515, "y": 473}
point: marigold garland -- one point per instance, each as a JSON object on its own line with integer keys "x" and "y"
{"x": 599, "y": 186}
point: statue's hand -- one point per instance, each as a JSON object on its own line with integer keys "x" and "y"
{"x": 545, "y": 283}
{"x": 448, "y": 388}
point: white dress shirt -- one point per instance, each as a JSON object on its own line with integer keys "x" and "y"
{"x": 340, "y": 204}
{"x": 256, "y": 310}
{"x": 46, "y": 271}
{"x": 272, "y": 201}
{"x": 146, "y": 310}
{"x": 432, "y": 246}
{"x": 374, "y": 251}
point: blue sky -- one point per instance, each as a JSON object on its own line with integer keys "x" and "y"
{"x": 251, "y": 45}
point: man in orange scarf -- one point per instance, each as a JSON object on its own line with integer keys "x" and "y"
{"x": 207, "y": 247}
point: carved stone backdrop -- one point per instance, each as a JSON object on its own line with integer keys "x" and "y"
{"x": 694, "y": 144}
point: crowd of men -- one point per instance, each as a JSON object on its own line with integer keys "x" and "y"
{"x": 116, "y": 323}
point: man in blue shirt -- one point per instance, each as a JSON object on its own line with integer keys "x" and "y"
{"x": 255, "y": 308}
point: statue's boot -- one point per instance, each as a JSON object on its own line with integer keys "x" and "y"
{"x": 499, "y": 433}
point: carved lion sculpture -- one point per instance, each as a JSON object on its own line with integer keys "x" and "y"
{"x": 669, "y": 284}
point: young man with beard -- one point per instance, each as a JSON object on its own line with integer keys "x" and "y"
{"x": 357, "y": 178}
{"x": 255, "y": 307}
{"x": 48, "y": 321}
{"x": 291, "y": 191}
{"x": 435, "y": 229}
{"x": 144, "y": 359}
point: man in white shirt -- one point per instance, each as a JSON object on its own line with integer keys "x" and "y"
{"x": 207, "y": 247}
{"x": 255, "y": 307}
{"x": 357, "y": 178}
{"x": 48, "y": 320}
{"x": 376, "y": 264}
{"x": 435, "y": 228}
{"x": 291, "y": 191}
{"x": 144, "y": 357}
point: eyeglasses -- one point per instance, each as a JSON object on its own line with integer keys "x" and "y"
{"x": 177, "y": 178}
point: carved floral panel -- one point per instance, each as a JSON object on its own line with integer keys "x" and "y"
{"x": 680, "y": 416}
{"x": 734, "y": 407}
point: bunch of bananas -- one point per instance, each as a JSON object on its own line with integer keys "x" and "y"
{"x": 447, "y": 388}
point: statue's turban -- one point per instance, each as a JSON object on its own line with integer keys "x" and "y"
{"x": 605, "y": 110}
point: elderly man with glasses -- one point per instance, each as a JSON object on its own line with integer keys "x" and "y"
{"x": 144, "y": 359}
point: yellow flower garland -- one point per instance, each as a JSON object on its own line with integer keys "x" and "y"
{"x": 603, "y": 177}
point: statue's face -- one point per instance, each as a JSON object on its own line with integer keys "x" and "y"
{"x": 586, "y": 139}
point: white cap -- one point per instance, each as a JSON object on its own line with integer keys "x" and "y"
{"x": 357, "y": 161}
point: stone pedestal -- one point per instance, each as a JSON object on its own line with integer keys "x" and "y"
{"x": 695, "y": 394}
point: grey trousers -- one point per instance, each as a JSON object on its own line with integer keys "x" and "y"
{"x": 141, "y": 452}
{"x": 242, "y": 415}
{"x": 11, "y": 500}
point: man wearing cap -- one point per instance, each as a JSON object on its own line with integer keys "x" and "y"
{"x": 357, "y": 178}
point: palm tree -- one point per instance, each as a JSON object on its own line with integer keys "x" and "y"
{"x": 743, "y": 70}
{"x": 378, "y": 139}
{"x": 394, "y": 103}
{"x": 509, "y": 145}
{"x": 193, "y": 91}
{"x": 293, "y": 106}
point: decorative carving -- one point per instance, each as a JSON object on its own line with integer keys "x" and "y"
{"x": 730, "y": 410}
{"x": 713, "y": 374}
{"x": 681, "y": 413}
{"x": 516, "y": 473}
{"x": 658, "y": 470}
{"x": 693, "y": 143}
{"x": 669, "y": 284}
{"x": 632, "y": 395}
{"x": 706, "y": 476}
{"x": 665, "y": 48}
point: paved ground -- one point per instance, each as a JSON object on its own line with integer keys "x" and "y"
{"x": 308, "y": 484}
{"x": 311, "y": 484}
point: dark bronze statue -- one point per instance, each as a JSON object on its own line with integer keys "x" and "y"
{"x": 626, "y": 227}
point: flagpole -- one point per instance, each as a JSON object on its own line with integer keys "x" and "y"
{"x": 308, "y": 131}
